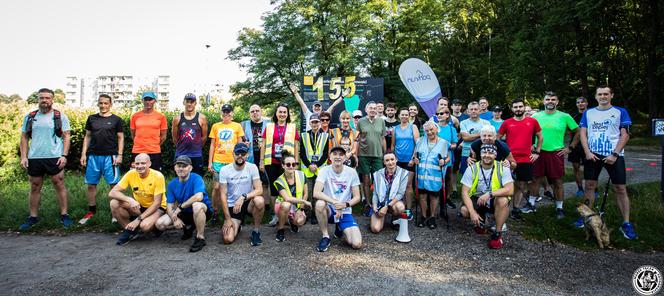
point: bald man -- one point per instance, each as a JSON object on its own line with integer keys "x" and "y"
{"x": 140, "y": 211}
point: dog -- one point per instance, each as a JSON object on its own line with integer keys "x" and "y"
{"x": 593, "y": 223}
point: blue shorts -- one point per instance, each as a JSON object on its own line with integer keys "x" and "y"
{"x": 101, "y": 165}
{"x": 346, "y": 220}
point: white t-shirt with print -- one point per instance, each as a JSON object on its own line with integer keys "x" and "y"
{"x": 339, "y": 186}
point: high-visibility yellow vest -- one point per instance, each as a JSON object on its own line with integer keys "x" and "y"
{"x": 289, "y": 141}
{"x": 313, "y": 150}
{"x": 336, "y": 136}
{"x": 496, "y": 178}
{"x": 299, "y": 186}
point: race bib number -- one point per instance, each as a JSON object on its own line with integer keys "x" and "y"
{"x": 277, "y": 150}
{"x": 315, "y": 158}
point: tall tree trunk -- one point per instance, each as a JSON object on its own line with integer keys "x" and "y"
{"x": 581, "y": 67}
{"x": 655, "y": 109}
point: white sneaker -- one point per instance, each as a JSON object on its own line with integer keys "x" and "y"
{"x": 113, "y": 220}
{"x": 274, "y": 221}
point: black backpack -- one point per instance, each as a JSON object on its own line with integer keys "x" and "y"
{"x": 57, "y": 120}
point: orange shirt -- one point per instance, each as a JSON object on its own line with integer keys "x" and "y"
{"x": 147, "y": 128}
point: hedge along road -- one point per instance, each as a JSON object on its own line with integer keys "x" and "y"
{"x": 436, "y": 262}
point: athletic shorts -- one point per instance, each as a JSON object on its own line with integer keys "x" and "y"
{"x": 160, "y": 210}
{"x": 243, "y": 212}
{"x": 577, "y": 155}
{"x": 524, "y": 171}
{"x": 549, "y": 165}
{"x": 405, "y": 166}
{"x": 155, "y": 160}
{"x": 456, "y": 160}
{"x": 346, "y": 220}
{"x": 483, "y": 210}
{"x": 428, "y": 192}
{"x": 273, "y": 172}
{"x": 617, "y": 174}
{"x": 216, "y": 167}
{"x": 43, "y": 166}
{"x": 101, "y": 165}
{"x": 369, "y": 165}
{"x": 188, "y": 217}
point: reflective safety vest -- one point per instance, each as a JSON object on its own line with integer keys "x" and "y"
{"x": 289, "y": 141}
{"x": 314, "y": 151}
{"x": 429, "y": 174}
{"x": 337, "y": 136}
{"x": 496, "y": 176}
{"x": 299, "y": 186}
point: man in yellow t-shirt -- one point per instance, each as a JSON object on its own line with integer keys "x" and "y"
{"x": 223, "y": 137}
{"x": 147, "y": 203}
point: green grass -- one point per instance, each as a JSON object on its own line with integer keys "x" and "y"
{"x": 645, "y": 141}
{"x": 647, "y": 214}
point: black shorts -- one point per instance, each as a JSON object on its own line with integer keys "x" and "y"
{"x": 273, "y": 172}
{"x": 143, "y": 209}
{"x": 524, "y": 171}
{"x": 243, "y": 212}
{"x": 617, "y": 173}
{"x": 431, "y": 193}
{"x": 483, "y": 210}
{"x": 43, "y": 166}
{"x": 457, "y": 160}
{"x": 188, "y": 217}
{"x": 577, "y": 155}
{"x": 405, "y": 166}
{"x": 155, "y": 160}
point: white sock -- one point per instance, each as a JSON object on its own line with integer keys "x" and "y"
{"x": 559, "y": 204}
{"x": 532, "y": 199}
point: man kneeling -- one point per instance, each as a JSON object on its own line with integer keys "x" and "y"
{"x": 241, "y": 193}
{"x": 193, "y": 207}
{"x": 337, "y": 189}
{"x": 146, "y": 204}
{"x": 489, "y": 193}
{"x": 390, "y": 185}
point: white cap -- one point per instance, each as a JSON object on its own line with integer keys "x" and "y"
{"x": 357, "y": 113}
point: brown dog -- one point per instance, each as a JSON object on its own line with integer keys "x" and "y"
{"x": 593, "y": 223}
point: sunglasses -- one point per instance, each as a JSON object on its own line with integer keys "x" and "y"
{"x": 226, "y": 111}
{"x": 241, "y": 154}
{"x": 290, "y": 164}
{"x": 357, "y": 117}
{"x": 324, "y": 119}
{"x": 442, "y": 113}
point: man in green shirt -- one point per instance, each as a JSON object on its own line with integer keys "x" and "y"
{"x": 371, "y": 132}
{"x": 551, "y": 162}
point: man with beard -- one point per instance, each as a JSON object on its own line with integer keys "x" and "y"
{"x": 390, "y": 121}
{"x": 188, "y": 132}
{"x": 551, "y": 162}
{"x": 44, "y": 148}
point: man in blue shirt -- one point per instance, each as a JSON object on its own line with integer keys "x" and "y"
{"x": 193, "y": 207}
{"x": 44, "y": 149}
{"x": 604, "y": 134}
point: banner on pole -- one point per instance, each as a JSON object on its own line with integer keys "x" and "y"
{"x": 422, "y": 83}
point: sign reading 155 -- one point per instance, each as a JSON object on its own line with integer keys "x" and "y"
{"x": 335, "y": 87}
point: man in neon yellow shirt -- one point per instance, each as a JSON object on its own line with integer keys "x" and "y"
{"x": 147, "y": 203}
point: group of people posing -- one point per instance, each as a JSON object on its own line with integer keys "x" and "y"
{"x": 264, "y": 165}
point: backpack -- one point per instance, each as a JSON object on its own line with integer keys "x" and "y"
{"x": 57, "y": 121}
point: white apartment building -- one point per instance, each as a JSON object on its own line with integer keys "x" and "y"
{"x": 124, "y": 89}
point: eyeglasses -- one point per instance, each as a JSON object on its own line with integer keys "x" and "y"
{"x": 283, "y": 105}
{"x": 357, "y": 117}
{"x": 324, "y": 119}
{"x": 290, "y": 164}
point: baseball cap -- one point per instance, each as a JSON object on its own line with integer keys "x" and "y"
{"x": 456, "y": 102}
{"x": 241, "y": 147}
{"x": 190, "y": 97}
{"x": 183, "y": 159}
{"x": 357, "y": 113}
{"x": 491, "y": 148}
{"x": 497, "y": 108}
{"x": 338, "y": 148}
{"x": 314, "y": 117}
{"x": 149, "y": 94}
{"x": 316, "y": 103}
{"x": 226, "y": 107}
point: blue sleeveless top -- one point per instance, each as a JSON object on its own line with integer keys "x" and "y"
{"x": 404, "y": 143}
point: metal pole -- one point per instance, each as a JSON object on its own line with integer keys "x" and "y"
{"x": 661, "y": 169}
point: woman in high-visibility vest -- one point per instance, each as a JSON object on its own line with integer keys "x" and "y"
{"x": 279, "y": 135}
{"x": 432, "y": 156}
{"x": 343, "y": 131}
{"x": 292, "y": 199}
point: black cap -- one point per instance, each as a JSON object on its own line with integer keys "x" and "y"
{"x": 497, "y": 108}
{"x": 241, "y": 147}
{"x": 183, "y": 159}
{"x": 338, "y": 148}
{"x": 226, "y": 107}
{"x": 190, "y": 97}
{"x": 314, "y": 116}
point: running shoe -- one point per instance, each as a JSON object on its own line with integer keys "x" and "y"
{"x": 496, "y": 241}
{"x": 294, "y": 228}
{"x": 214, "y": 220}
{"x": 528, "y": 208}
{"x": 548, "y": 194}
{"x": 579, "y": 223}
{"x": 86, "y": 217}
{"x": 198, "y": 245}
{"x": 580, "y": 193}
{"x": 280, "y": 236}
{"x": 627, "y": 229}
{"x": 450, "y": 204}
{"x": 274, "y": 221}
{"x": 313, "y": 220}
{"x": 432, "y": 223}
{"x": 560, "y": 213}
{"x": 409, "y": 213}
{"x": 323, "y": 245}
{"x": 515, "y": 214}
{"x": 29, "y": 222}
{"x": 338, "y": 233}
{"x": 187, "y": 232}
{"x": 493, "y": 228}
{"x": 256, "y": 238}
{"x": 113, "y": 220}
{"x": 66, "y": 221}
{"x": 421, "y": 222}
{"x": 126, "y": 237}
{"x": 479, "y": 230}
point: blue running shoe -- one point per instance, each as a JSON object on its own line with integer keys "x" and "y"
{"x": 66, "y": 221}
{"x": 29, "y": 222}
{"x": 579, "y": 223}
{"x": 580, "y": 193}
{"x": 323, "y": 245}
{"x": 627, "y": 229}
{"x": 256, "y": 238}
{"x": 126, "y": 237}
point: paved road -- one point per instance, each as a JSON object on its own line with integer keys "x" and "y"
{"x": 437, "y": 262}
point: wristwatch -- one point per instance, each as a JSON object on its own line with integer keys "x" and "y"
{"x": 347, "y": 204}
{"x": 614, "y": 154}
{"x": 244, "y": 195}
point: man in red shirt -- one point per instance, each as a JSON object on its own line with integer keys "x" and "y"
{"x": 519, "y": 132}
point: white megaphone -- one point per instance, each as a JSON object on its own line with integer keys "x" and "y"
{"x": 403, "y": 236}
